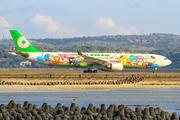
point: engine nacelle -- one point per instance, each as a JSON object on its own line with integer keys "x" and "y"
{"x": 115, "y": 66}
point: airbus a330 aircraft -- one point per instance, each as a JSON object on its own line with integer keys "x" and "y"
{"x": 91, "y": 61}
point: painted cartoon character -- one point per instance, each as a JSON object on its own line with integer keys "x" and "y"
{"x": 133, "y": 60}
{"x": 40, "y": 58}
{"x": 71, "y": 61}
{"x": 56, "y": 59}
{"x": 140, "y": 60}
{"x": 49, "y": 57}
{"x": 155, "y": 65}
{"x": 123, "y": 58}
{"x": 78, "y": 60}
{"x": 65, "y": 60}
{"x": 46, "y": 57}
{"x": 150, "y": 60}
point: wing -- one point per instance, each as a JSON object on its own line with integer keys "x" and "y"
{"x": 93, "y": 60}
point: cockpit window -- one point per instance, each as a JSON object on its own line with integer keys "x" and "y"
{"x": 165, "y": 58}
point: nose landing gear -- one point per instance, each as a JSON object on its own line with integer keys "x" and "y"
{"x": 154, "y": 70}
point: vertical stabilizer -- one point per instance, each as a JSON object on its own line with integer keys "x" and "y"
{"x": 21, "y": 43}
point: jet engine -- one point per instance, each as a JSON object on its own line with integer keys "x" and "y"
{"x": 115, "y": 66}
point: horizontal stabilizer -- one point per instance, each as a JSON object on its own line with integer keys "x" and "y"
{"x": 26, "y": 55}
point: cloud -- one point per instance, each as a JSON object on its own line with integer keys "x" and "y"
{"x": 46, "y": 21}
{"x": 126, "y": 31}
{"x": 52, "y": 27}
{"x": 135, "y": 5}
{"x": 105, "y": 22}
{"x": 102, "y": 26}
{"x": 4, "y": 23}
{"x": 107, "y": 26}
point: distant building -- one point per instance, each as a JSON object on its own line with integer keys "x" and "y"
{"x": 24, "y": 63}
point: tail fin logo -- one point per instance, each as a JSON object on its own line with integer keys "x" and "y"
{"x": 22, "y": 42}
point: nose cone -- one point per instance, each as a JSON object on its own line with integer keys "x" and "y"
{"x": 164, "y": 63}
{"x": 169, "y": 62}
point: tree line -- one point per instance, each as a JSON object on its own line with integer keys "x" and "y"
{"x": 155, "y": 40}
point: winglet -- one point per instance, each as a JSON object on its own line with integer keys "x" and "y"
{"x": 79, "y": 53}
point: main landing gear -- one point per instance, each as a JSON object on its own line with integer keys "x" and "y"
{"x": 154, "y": 70}
{"x": 90, "y": 71}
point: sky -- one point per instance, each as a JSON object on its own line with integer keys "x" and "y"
{"x": 77, "y": 18}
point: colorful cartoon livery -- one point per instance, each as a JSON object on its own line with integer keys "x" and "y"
{"x": 92, "y": 61}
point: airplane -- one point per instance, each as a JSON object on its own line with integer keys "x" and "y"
{"x": 92, "y": 61}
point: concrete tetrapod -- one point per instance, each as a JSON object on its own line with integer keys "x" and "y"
{"x": 46, "y": 112}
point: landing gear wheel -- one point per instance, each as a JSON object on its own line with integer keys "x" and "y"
{"x": 89, "y": 71}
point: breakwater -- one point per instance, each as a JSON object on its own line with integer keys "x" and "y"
{"x": 28, "y": 111}
{"x": 87, "y": 79}
{"x": 88, "y": 76}
{"x": 130, "y": 80}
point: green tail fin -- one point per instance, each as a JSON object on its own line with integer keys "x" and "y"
{"x": 21, "y": 43}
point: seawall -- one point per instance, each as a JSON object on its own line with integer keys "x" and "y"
{"x": 14, "y": 111}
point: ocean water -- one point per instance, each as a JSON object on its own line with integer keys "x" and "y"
{"x": 168, "y": 99}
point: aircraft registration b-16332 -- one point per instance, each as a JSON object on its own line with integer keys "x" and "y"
{"x": 91, "y": 61}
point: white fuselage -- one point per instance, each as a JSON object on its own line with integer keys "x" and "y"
{"x": 132, "y": 60}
